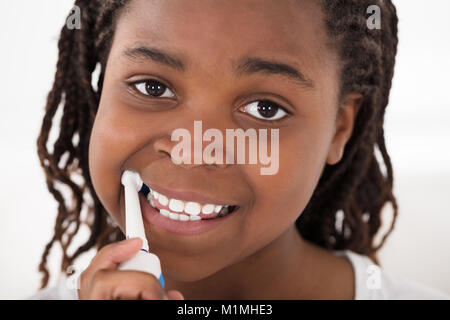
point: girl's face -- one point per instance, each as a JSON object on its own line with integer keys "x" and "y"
{"x": 200, "y": 79}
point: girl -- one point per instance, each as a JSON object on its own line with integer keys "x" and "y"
{"x": 314, "y": 70}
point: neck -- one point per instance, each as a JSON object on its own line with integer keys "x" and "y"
{"x": 283, "y": 269}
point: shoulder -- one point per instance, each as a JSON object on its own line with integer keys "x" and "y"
{"x": 64, "y": 290}
{"x": 373, "y": 283}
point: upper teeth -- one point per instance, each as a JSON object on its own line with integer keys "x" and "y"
{"x": 177, "y": 207}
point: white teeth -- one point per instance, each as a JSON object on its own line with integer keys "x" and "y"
{"x": 194, "y": 218}
{"x": 208, "y": 208}
{"x": 192, "y": 208}
{"x": 163, "y": 200}
{"x": 176, "y": 205}
{"x": 174, "y": 216}
{"x": 183, "y": 217}
{"x": 164, "y": 212}
{"x": 189, "y": 211}
{"x": 150, "y": 199}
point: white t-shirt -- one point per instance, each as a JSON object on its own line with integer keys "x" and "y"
{"x": 371, "y": 283}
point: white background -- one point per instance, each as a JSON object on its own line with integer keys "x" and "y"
{"x": 417, "y": 131}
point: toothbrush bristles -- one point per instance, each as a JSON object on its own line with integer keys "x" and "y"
{"x": 145, "y": 190}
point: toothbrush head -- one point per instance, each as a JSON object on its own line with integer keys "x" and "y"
{"x": 134, "y": 226}
{"x": 132, "y": 178}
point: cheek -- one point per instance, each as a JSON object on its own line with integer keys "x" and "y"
{"x": 112, "y": 141}
{"x": 281, "y": 198}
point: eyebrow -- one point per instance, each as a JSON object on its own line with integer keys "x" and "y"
{"x": 256, "y": 65}
{"x": 246, "y": 66}
{"x": 156, "y": 55}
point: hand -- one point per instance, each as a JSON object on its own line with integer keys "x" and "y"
{"x": 103, "y": 281}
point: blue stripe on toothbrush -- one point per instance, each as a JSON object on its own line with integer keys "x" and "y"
{"x": 161, "y": 280}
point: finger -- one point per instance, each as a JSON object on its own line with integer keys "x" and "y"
{"x": 152, "y": 295}
{"x": 175, "y": 295}
{"x": 107, "y": 284}
{"x": 114, "y": 254}
{"x": 128, "y": 292}
{"x": 109, "y": 257}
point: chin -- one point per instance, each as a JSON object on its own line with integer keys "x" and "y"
{"x": 184, "y": 273}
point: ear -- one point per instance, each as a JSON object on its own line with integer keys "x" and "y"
{"x": 345, "y": 120}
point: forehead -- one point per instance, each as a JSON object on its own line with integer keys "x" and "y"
{"x": 208, "y": 34}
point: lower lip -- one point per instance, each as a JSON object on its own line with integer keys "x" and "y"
{"x": 152, "y": 216}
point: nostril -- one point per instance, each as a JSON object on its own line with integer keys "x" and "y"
{"x": 164, "y": 152}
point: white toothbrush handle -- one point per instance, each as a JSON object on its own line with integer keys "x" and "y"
{"x": 145, "y": 262}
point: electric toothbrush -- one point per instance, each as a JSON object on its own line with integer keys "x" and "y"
{"x": 143, "y": 260}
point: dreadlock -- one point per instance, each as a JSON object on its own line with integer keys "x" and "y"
{"x": 355, "y": 186}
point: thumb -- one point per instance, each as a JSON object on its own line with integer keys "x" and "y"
{"x": 114, "y": 254}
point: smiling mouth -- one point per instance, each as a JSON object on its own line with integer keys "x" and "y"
{"x": 185, "y": 210}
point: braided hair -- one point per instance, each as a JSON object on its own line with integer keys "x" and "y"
{"x": 355, "y": 187}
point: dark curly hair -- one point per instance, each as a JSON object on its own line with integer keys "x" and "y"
{"x": 356, "y": 187}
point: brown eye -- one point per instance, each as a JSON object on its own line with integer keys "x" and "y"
{"x": 266, "y": 110}
{"x": 154, "y": 88}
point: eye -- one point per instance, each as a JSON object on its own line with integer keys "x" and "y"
{"x": 266, "y": 110}
{"x": 154, "y": 88}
